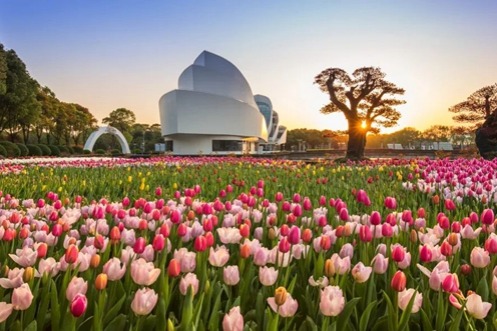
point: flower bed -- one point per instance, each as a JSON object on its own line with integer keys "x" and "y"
{"x": 228, "y": 243}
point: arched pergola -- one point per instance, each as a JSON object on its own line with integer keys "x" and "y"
{"x": 90, "y": 142}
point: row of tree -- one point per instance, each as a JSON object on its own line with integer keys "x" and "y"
{"x": 459, "y": 136}
{"x": 31, "y": 113}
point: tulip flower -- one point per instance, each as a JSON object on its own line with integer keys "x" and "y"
{"x": 219, "y": 257}
{"x": 114, "y": 269}
{"x": 361, "y": 273}
{"x": 450, "y": 283}
{"x": 5, "y": 310}
{"x": 487, "y": 216}
{"x": 25, "y": 257}
{"x": 77, "y": 285}
{"x": 22, "y": 297}
{"x": 365, "y": 233}
{"x": 476, "y": 307}
{"x": 479, "y": 258}
{"x": 189, "y": 280}
{"x": 268, "y": 276}
{"x": 144, "y": 301}
{"x": 78, "y": 305}
{"x": 233, "y": 320}
{"x": 398, "y": 253}
{"x": 399, "y": 281}
{"x": 380, "y": 264}
{"x": 287, "y": 309}
{"x": 71, "y": 255}
{"x": 331, "y": 301}
{"x": 405, "y": 296}
{"x": 143, "y": 272}
{"x": 231, "y": 275}
{"x": 101, "y": 281}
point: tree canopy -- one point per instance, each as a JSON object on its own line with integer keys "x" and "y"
{"x": 477, "y": 107}
{"x": 365, "y": 98}
{"x": 121, "y": 118}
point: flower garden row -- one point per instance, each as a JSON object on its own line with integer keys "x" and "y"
{"x": 228, "y": 243}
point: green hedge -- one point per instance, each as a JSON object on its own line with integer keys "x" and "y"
{"x": 24, "y": 150}
{"x": 54, "y": 150}
{"x": 3, "y": 151}
{"x": 45, "y": 150}
{"x": 34, "y": 150}
{"x": 11, "y": 148}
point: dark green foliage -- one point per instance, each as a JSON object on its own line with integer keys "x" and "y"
{"x": 34, "y": 150}
{"x": 100, "y": 151}
{"x": 63, "y": 149}
{"x": 86, "y": 152}
{"x": 24, "y": 150}
{"x": 45, "y": 150}
{"x": 115, "y": 152}
{"x": 11, "y": 148}
{"x": 76, "y": 149}
{"x": 3, "y": 151}
{"x": 54, "y": 150}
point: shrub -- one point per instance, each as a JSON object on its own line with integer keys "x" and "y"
{"x": 70, "y": 150}
{"x": 100, "y": 151}
{"x": 63, "y": 149}
{"x": 115, "y": 152}
{"x": 24, "y": 150}
{"x": 54, "y": 150}
{"x": 77, "y": 149}
{"x": 34, "y": 150}
{"x": 44, "y": 149}
{"x": 86, "y": 151}
{"x": 11, "y": 148}
{"x": 3, "y": 151}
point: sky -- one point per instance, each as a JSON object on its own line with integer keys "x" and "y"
{"x": 114, "y": 54}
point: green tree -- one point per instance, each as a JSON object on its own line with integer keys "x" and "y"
{"x": 437, "y": 133}
{"x": 82, "y": 122}
{"x": 3, "y": 70}
{"x": 121, "y": 118}
{"x": 18, "y": 104}
{"x": 365, "y": 99}
{"x": 48, "y": 114}
{"x": 477, "y": 107}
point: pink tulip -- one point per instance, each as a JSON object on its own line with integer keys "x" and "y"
{"x": 476, "y": 307}
{"x": 233, "y": 320}
{"x": 479, "y": 257}
{"x": 5, "y": 311}
{"x": 454, "y": 301}
{"x": 114, "y": 269}
{"x": 321, "y": 282}
{"x": 77, "y": 285}
{"x": 219, "y": 257}
{"x": 425, "y": 253}
{"x": 361, "y": 273}
{"x": 78, "y": 305}
{"x": 436, "y": 276}
{"x": 231, "y": 275}
{"x": 390, "y": 203}
{"x": 190, "y": 279}
{"x": 144, "y": 301}
{"x": 405, "y": 297}
{"x": 294, "y": 235}
{"x": 186, "y": 259}
{"x": 398, "y": 253}
{"x": 365, "y": 233}
{"x": 347, "y": 250}
{"x": 268, "y": 276}
{"x": 340, "y": 266}
{"x": 143, "y": 272}
{"x": 380, "y": 264}
{"x": 331, "y": 301}
{"x": 287, "y": 309}
{"x": 25, "y": 257}
{"x": 487, "y": 216}
{"x": 14, "y": 278}
{"x": 22, "y": 297}
{"x": 450, "y": 283}
{"x": 375, "y": 218}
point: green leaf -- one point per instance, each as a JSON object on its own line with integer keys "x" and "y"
{"x": 150, "y": 322}
{"x": 117, "y": 323}
{"x": 111, "y": 314}
{"x": 364, "y": 321}
{"x": 454, "y": 326}
{"x": 54, "y": 307}
{"x": 482, "y": 289}
{"x": 43, "y": 308}
{"x": 392, "y": 313}
{"x": 311, "y": 324}
{"x": 214, "y": 317}
{"x": 425, "y": 321}
{"x": 404, "y": 318}
{"x": 31, "y": 326}
{"x": 343, "y": 318}
{"x": 381, "y": 323}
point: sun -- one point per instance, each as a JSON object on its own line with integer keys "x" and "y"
{"x": 363, "y": 124}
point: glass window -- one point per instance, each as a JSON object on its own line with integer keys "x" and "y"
{"x": 226, "y": 146}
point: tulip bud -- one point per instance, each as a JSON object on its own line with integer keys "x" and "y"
{"x": 72, "y": 253}
{"x": 271, "y": 233}
{"x": 466, "y": 269}
{"x": 28, "y": 274}
{"x": 42, "y": 250}
{"x": 307, "y": 235}
{"x": 101, "y": 281}
{"x": 398, "y": 254}
{"x": 413, "y": 236}
{"x": 280, "y": 295}
{"x": 329, "y": 268}
{"x": 174, "y": 268}
{"x": 375, "y": 218}
{"x": 435, "y": 199}
{"x": 453, "y": 239}
{"x": 158, "y": 243}
{"x": 78, "y": 305}
{"x": 95, "y": 261}
{"x": 244, "y": 251}
{"x": 399, "y": 281}
{"x": 446, "y": 249}
{"x": 200, "y": 244}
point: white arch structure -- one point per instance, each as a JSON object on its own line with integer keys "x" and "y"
{"x": 90, "y": 142}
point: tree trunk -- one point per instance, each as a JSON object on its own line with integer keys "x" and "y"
{"x": 357, "y": 140}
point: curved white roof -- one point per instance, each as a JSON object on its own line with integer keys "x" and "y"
{"x": 213, "y": 74}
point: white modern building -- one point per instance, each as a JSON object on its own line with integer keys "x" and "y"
{"x": 214, "y": 111}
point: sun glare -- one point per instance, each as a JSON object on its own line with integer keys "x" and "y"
{"x": 363, "y": 125}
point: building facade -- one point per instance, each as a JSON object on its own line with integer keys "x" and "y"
{"x": 213, "y": 111}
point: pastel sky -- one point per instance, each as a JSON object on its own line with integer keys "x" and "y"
{"x": 110, "y": 54}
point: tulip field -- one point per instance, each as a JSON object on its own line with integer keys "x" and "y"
{"x": 225, "y": 243}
